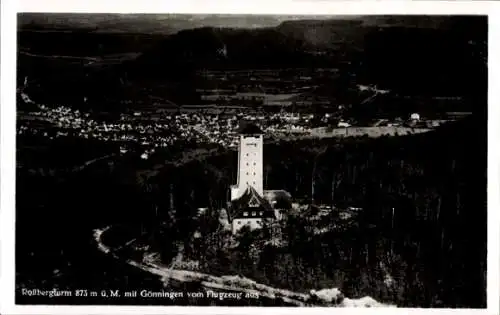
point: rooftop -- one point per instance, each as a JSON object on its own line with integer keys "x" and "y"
{"x": 249, "y": 197}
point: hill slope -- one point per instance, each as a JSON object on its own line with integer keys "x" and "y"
{"x": 411, "y": 59}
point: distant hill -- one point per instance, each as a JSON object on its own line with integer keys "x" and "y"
{"x": 326, "y": 34}
{"x": 405, "y": 55}
{"x": 432, "y": 61}
{"x": 146, "y": 23}
{"x": 208, "y": 47}
{"x": 107, "y": 23}
{"x": 411, "y": 55}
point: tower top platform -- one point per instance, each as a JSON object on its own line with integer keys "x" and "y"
{"x": 248, "y": 128}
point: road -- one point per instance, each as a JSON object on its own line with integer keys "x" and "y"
{"x": 90, "y": 162}
{"x": 327, "y": 297}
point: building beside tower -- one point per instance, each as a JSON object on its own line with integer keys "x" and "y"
{"x": 250, "y": 204}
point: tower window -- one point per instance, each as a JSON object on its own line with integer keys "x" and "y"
{"x": 254, "y": 182}
{"x": 247, "y": 173}
{"x": 254, "y": 164}
{"x": 245, "y": 214}
{"x": 247, "y": 154}
{"x": 261, "y": 213}
{"x": 247, "y": 164}
{"x": 254, "y": 173}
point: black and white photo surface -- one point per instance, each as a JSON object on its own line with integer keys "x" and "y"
{"x": 251, "y": 160}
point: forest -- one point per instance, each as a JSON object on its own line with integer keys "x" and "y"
{"x": 423, "y": 220}
{"x": 424, "y": 217}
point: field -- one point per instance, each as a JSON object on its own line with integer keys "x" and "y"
{"x": 97, "y": 61}
{"x": 372, "y": 132}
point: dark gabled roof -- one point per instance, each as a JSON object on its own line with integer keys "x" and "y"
{"x": 248, "y": 128}
{"x": 250, "y": 195}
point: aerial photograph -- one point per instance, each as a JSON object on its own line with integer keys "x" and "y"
{"x": 251, "y": 160}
